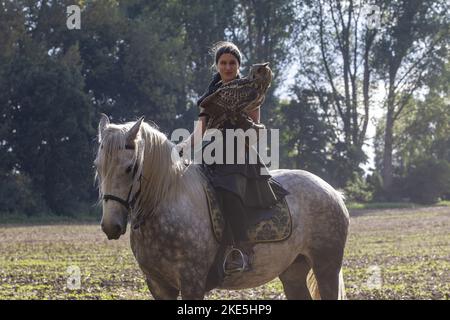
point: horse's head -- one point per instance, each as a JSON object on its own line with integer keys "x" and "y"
{"x": 118, "y": 168}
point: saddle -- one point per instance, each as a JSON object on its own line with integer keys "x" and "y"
{"x": 271, "y": 224}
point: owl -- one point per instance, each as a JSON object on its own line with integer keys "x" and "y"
{"x": 235, "y": 99}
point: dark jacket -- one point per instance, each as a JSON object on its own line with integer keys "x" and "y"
{"x": 212, "y": 87}
{"x": 244, "y": 180}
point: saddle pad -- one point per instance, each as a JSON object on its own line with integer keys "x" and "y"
{"x": 275, "y": 226}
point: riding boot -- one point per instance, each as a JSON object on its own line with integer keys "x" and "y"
{"x": 236, "y": 258}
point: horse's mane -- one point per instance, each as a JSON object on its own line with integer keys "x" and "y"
{"x": 162, "y": 179}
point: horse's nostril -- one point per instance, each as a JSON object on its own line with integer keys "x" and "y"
{"x": 113, "y": 231}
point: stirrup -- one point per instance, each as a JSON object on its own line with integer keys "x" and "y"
{"x": 243, "y": 267}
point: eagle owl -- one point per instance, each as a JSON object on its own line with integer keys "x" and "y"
{"x": 235, "y": 99}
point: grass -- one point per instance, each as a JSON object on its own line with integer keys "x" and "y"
{"x": 444, "y": 203}
{"x": 47, "y": 218}
{"x": 392, "y": 205}
{"x": 401, "y": 253}
{"x": 381, "y": 205}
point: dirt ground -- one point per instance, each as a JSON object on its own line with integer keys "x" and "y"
{"x": 390, "y": 254}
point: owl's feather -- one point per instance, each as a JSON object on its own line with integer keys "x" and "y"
{"x": 238, "y": 97}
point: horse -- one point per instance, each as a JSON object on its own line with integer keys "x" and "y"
{"x": 171, "y": 235}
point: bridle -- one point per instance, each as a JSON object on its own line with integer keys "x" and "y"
{"x": 127, "y": 203}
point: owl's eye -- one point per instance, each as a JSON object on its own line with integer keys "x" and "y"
{"x": 128, "y": 169}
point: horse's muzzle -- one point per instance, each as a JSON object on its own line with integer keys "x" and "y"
{"x": 113, "y": 231}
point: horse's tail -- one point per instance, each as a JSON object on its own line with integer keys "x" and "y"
{"x": 313, "y": 288}
{"x": 342, "y": 295}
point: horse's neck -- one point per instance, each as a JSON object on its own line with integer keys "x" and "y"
{"x": 183, "y": 202}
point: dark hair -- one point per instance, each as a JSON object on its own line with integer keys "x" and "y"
{"x": 226, "y": 47}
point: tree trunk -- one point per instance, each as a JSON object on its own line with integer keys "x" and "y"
{"x": 388, "y": 145}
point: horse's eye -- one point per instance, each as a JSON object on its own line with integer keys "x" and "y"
{"x": 128, "y": 169}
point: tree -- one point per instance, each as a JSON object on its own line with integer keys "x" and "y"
{"x": 307, "y": 138}
{"x": 335, "y": 54}
{"x": 47, "y": 132}
{"x": 412, "y": 48}
{"x": 205, "y": 23}
{"x": 422, "y": 144}
{"x": 263, "y": 31}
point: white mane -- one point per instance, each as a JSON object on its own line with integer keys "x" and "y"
{"x": 162, "y": 179}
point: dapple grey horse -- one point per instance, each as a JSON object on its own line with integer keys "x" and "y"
{"x": 173, "y": 242}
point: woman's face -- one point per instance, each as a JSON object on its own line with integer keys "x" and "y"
{"x": 228, "y": 67}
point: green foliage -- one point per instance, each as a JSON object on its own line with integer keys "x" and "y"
{"x": 380, "y": 205}
{"x": 138, "y": 58}
{"x": 309, "y": 140}
{"x": 375, "y": 185}
{"x": 428, "y": 180}
{"x": 306, "y": 137}
{"x": 357, "y": 189}
{"x": 422, "y": 146}
{"x": 18, "y": 196}
{"x": 52, "y": 133}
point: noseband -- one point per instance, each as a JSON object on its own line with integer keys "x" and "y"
{"x": 126, "y": 203}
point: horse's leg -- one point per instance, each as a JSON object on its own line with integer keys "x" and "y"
{"x": 294, "y": 280}
{"x": 189, "y": 291}
{"x": 161, "y": 290}
{"x": 326, "y": 271}
{"x": 193, "y": 284}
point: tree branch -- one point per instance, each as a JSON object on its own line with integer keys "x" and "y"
{"x": 327, "y": 69}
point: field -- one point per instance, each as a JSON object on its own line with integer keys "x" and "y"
{"x": 390, "y": 254}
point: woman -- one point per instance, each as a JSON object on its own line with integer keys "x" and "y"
{"x": 241, "y": 189}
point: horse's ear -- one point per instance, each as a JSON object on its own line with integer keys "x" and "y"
{"x": 131, "y": 135}
{"x": 104, "y": 121}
